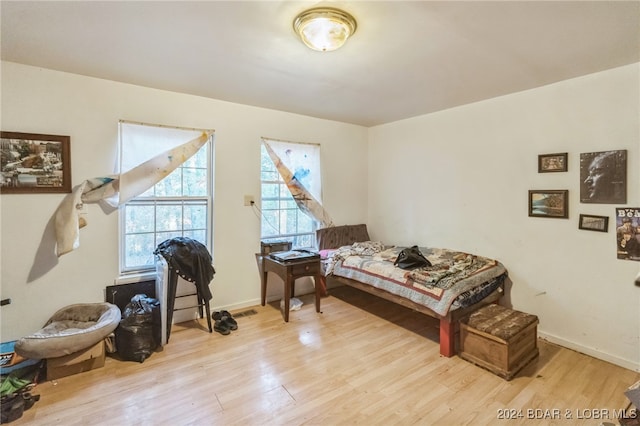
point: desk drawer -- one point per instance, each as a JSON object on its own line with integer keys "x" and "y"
{"x": 309, "y": 268}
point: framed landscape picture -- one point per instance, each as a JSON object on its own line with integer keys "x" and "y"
{"x": 550, "y": 203}
{"x": 594, "y": 223}
{"x": 32, "y": 163}
{"x": 548, "y": 163}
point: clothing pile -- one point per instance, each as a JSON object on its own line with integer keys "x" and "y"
{"x": 190, "y": 260}
{"x": 16, "y": 397}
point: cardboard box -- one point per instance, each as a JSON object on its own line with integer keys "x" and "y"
{"x": 76, "y": 362}
{"x": 501, "y": 340}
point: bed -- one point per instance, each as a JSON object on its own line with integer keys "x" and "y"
{"x": 454, "y": 286}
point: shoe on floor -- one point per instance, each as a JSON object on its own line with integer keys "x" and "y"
{"x": 226, "y": 317}
{"x": 222, "y": 327}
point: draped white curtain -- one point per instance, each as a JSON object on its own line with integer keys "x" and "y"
{"x": 139, "y": 168}
{"x": 299, "y": 166}
{"x": 143, "y": 164}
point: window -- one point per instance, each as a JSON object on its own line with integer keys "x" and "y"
{"x": 282, "y": 219}
{"x": 180, "y": 205}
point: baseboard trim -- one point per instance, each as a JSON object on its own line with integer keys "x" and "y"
{"x": 237, "y": 306}
{"x": 624, "y": 363}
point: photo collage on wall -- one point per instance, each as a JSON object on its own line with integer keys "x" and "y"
{"x": 603, "y": 180}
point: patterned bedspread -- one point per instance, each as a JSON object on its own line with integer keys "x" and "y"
{"x": 454, "y": 280}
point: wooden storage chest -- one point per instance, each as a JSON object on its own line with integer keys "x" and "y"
{"x": 499, "y": 339}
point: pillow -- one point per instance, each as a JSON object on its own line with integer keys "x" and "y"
{"x": 324, "y": 254}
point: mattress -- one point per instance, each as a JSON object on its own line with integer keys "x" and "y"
{"x": 455, "y": 279}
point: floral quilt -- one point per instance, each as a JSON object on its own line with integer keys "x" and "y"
{"x": 455, "y": 279}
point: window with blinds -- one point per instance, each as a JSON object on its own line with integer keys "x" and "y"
{"x": 180, "y": 205}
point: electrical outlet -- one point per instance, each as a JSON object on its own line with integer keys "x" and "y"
{"x": 248, "y": 200}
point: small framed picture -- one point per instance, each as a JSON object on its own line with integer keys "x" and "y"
{"x": 33, "y": 163}
{"x": 594, "y": 223}
{"x": 548, "y": 163}
{"x": 552, "y": 203}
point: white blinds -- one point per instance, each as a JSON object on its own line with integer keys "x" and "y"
{"x": 135, "y": 146}
{"x": 303, "y": 160}
{"x": 299, "y": 166}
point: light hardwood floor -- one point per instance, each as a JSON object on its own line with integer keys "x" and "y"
{"x": 361, "y": 361}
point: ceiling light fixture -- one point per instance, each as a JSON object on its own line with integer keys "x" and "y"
{"x": 324, "y": 28}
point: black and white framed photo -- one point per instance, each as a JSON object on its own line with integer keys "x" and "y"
{"x": 603, "y": 177}
{"x": 591, "y": 222}
{"x": 549, "y": 163}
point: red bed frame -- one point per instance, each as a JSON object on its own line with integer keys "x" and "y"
{"x": 448, "y": 323}
{"x": 338, "y": 236}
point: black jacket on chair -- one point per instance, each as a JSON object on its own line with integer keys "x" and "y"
{"x": 191, "y": 260}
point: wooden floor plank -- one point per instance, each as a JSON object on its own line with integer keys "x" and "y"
{"x": 362, "y": 360}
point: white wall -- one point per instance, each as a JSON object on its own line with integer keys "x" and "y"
{"x": 36, "y": 100}
{"x": 459, "y": 179}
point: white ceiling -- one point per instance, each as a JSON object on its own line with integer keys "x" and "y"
{"x": 407, "y": 58}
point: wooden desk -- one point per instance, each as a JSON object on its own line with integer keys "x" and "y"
{"x": 289, "y": 272}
